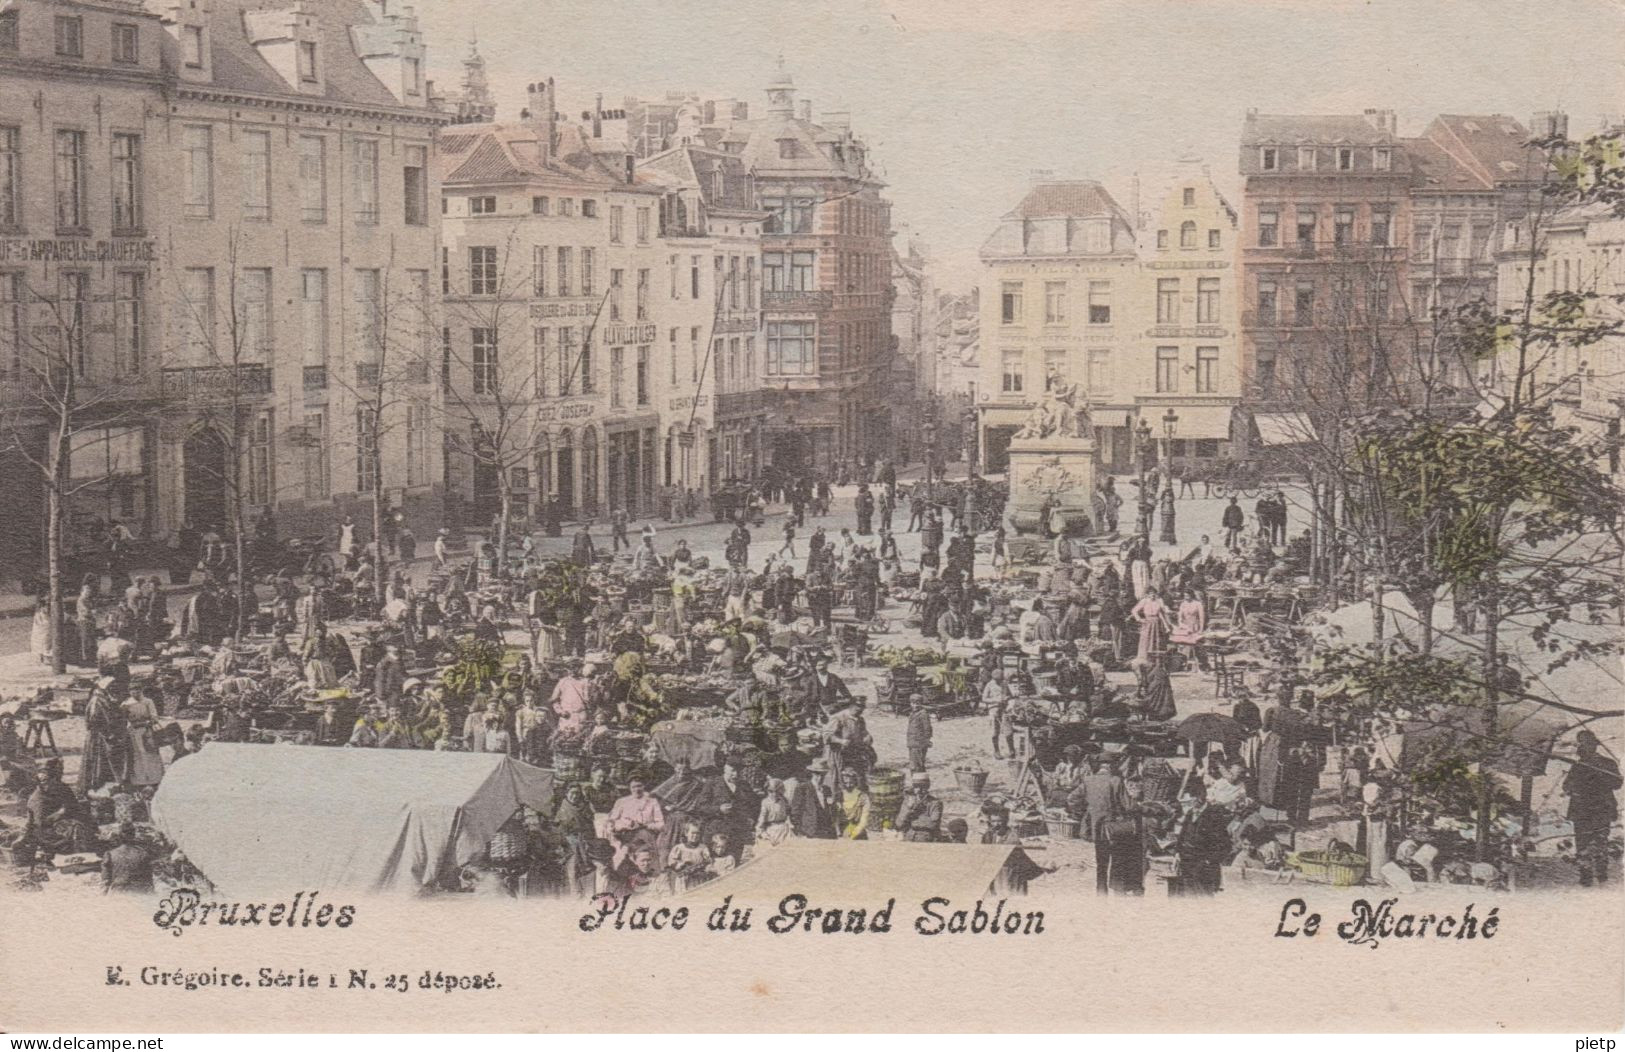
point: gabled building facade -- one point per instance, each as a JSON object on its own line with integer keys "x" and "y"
{"x": 82, "y": 103}
{"x": 1060, "y": 281}
{"x": 1186, "y": 363}
{"x": 300, "y": 249}
{"x": 1325, "y": 220}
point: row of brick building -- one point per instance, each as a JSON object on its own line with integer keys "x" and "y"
{"x": 279, "y": 262}
{"x": 1328, "y": 288}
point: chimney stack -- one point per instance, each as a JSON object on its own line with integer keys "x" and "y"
{"x": 1550, "y": 122}
{"x": 1036, "y": 176}
{"x": 1383, "y": 120}
{"x": 598, "y": 116}
{"x": 544, "y": 117}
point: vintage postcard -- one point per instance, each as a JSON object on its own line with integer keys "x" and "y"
{"x": 560, "y": 516}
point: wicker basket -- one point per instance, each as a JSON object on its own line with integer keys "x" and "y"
{"x": 1341, "y": 872}
{"x": 971, "y": 779}
{"x": 1061, "y": 827}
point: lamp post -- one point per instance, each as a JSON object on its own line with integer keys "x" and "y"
{"x": 1141, "y": 442}
{"x": 1169, "y": 421}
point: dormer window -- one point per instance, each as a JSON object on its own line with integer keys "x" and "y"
{"x": 126, "y": 44}
{"x": 788, "y": 148}
{"x": 1382, "y": 158}
{"x": 1306, "y": 158}
{"x": 70, "y": 36}
{"x": 1269, "y": 159}
{"x": 1345, "y": 159}
{"x": 192, "y": 46}
{"x": 307, "y": 61}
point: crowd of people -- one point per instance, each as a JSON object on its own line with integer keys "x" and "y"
{"x": 578, "y": 662}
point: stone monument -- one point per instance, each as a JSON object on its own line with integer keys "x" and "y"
{"x": 1053, "y": 463}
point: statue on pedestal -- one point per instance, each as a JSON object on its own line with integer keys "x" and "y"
{"x": 1063, "y": 412}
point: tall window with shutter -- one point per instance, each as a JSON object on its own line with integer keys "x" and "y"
{"x": 364, "y": 177}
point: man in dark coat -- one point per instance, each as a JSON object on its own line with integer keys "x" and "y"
{"x": 821, "y": 595}
{"x": 1232, "y": 522}
{"x": 825, "y": 689}
{"x": 919, "y": 733}
{"x": 730, "y": 806}
{"x": 1590, "y": 785}
{"x": 389, "y": 675}
{"x": 785, "y": 587}
{"x": 809, "y": 810}
{"x": 865, "y": 506}
{"x": 920, "y": 817}
{"x": 582, "y": 549}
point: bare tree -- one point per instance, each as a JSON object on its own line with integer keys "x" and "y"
{"x": 54, "y": 397}
{"x": 1478, "y": 486}
{"x": 395, "y": 327}
{"x": 496, "y": 379}
{"x": 226, "y": 375}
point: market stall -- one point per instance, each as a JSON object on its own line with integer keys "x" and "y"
{"x": 280, "y": 817}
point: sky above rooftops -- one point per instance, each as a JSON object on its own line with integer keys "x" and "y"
{"x": 959, "y": 100}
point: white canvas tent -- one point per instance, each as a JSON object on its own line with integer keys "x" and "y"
{"x": 286, "y": 817}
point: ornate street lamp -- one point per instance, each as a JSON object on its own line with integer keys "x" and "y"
{"x": 1142, "y": 443}
{"x": 1169, "y": 421}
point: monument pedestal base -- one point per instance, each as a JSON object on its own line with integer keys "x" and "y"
{"x": 1056, "y": 472}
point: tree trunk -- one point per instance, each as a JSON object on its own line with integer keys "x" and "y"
{"x": 1492, "y": 673}
{"x": 506, "y": 495}
{"x": 53, "y": 556}
{"x": 378, "y": 513}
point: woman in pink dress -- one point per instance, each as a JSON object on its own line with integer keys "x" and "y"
{"x": 1152, "y": 614}
{"x": 1192, "y": 622}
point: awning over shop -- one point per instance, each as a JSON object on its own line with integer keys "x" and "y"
{"x": 274, "y": 817}
{"x": 1195, "y": 421}
{"x": 844, "y": 871}
{"x": 1284, "y": 429}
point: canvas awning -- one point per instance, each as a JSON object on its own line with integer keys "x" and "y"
{"x": 847, "y": 871}
{"x": 1195, "y": 421}
{"x": 1284, "y": 429}
{"x": 279, "y": 817}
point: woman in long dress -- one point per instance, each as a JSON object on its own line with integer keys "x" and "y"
{"x": 107, "y": 743}
{"x": 141, "y": 716}
{"x": 1158, "y": 703}
{"x": 1154, "y": 621}
{"x": 39, "y": 637}
{"x": 1191, "y": 623}
{"x": 1139, "y": 567}
{"x": 773, "y": 820}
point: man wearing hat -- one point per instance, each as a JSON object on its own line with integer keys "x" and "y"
{"x": 389, "y": 675}
{"x": 827, "y": 690}
{"x": 1590, "y": 786}
{"x": 920, "y": 818}
{"x": 919, "y": 732}
{"x": 810, "y": 805}
{"x": 996, "y": 822}
{"x": 331, "y": 729}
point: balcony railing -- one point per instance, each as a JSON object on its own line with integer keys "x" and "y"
{"x": 213, "y": 383}
{"x": 315, "y": 377}
{"x": 796, "y": 299}
{"x": 1329, "y": 316}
